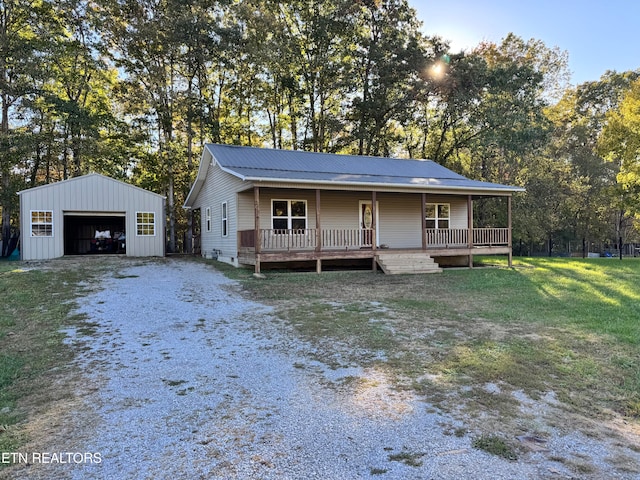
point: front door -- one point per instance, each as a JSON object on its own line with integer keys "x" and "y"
{"x": 366, "y": 223}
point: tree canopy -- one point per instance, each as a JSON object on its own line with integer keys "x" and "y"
{"x": 133, "y": 89}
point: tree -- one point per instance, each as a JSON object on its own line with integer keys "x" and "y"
{"x": 25, "y": 28}
{"x": 619, "y": 143}
{"x": 390, "y": 57}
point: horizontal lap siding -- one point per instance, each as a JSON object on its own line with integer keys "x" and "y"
{"x": 458, "y": 213}
{"x": 399, "y": 214}
{"x": 219, "y": 187}
{"x": 400, "y": 223}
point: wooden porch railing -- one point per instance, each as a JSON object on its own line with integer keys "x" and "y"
{"x": 459, "y": 237}
{"x": 447, "y": 237}
{"x": 307, "y": 239}
{"x": 491, "y": 237}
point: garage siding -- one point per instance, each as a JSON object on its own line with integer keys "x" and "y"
{"x": 90, "y": 195}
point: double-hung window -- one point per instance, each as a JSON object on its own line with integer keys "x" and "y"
{"x": 207, "y": 219}
{"x": 225, "y": 219}
{"x": 437, "y": 215}
{"x": 289, "y": 214}
{"x": 42, "y": 223}
{"x": 145, "y": 224}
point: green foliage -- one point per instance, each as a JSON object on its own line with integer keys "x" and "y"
{"x": 134, "y": 89}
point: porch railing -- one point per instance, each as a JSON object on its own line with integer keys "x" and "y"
{"x": 491, "y": 237}
{"x": 346, "y": 238}
{"x": 449, "y": 237}
{"x": 459, "y": 237}
{"x": 306, "y": 239}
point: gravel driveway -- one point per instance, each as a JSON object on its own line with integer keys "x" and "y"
{"x": 187, "y": 380}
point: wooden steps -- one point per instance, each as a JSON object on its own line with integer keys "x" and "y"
{"x": 407, "y": 263}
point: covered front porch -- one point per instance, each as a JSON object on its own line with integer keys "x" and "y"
{"x": 328, "y": 225}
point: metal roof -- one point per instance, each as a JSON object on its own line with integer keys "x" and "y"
{"x": 260, "y": 164}
{"x": 298, "y": 167}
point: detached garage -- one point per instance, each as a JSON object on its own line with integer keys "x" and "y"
{"x": 91, "y": 214}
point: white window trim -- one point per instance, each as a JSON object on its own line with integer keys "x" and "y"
{"x": 139, "y": 224}
{"x": 289, "y": 217}
{"x": 31, "y": 224}
{"x": 207, "y": 219}
{"x": 437, "y": 219}
{"x": 224, "y": 223}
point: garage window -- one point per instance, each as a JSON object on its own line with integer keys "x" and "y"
{"x": 145, "y": 224}
{"x": 42, "y": 223}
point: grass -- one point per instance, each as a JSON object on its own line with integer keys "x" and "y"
{"x": 37, "y": 303}
{"x": 565, "y": 326}
{"x": 495, "y": 445}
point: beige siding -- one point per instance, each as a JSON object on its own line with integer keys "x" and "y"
{"x": 220, "y": 187}
{"x": 458, "y": 205}
{"x": 399, "y": 214}
{"x": 400, "y": 222}
{"x": 90, "y": 195}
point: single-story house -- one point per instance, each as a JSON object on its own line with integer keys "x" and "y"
{"x": 266, "y": 205}
{"x": 91, "y": 214}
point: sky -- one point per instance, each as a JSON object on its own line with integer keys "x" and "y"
{"x": 599, "y": 35}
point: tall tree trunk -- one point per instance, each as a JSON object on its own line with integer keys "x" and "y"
{"x": 6, "y": 179}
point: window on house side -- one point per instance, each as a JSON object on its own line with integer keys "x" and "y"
{"x": 42, "y": 223}
{"x": 437, "y": 215}
{"x": 225, "y": 219}
{"x": 207, "y": 216}
{"x": 145, "y": 224}
{"x": 289, "y": 214}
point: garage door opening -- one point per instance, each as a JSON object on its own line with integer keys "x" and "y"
{"x": 94, "y": 233}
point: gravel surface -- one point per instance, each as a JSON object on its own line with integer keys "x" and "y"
{"x": 185, "y": 379}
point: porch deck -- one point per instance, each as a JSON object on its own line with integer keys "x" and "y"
{"x": 337, "y": 244}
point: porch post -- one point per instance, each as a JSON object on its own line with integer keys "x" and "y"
{"x": 470, "y": 228}
{"x": 374, "y": 240}
{"x": 318, "y": 232}
{"x": 257, "y": 240}
{"x": 509, "y": 235}
{"x": 423, "y": 210}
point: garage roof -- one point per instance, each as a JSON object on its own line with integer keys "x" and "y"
{"x": 83, "y": 178}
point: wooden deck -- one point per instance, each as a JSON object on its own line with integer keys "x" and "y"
{"x": 318, "y": 245}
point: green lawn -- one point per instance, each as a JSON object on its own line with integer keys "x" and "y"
{"x": 569, "y": 327}
{"x": 36, "y": 304}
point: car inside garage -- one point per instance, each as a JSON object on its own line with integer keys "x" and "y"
{"x": 87, "y": 233}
